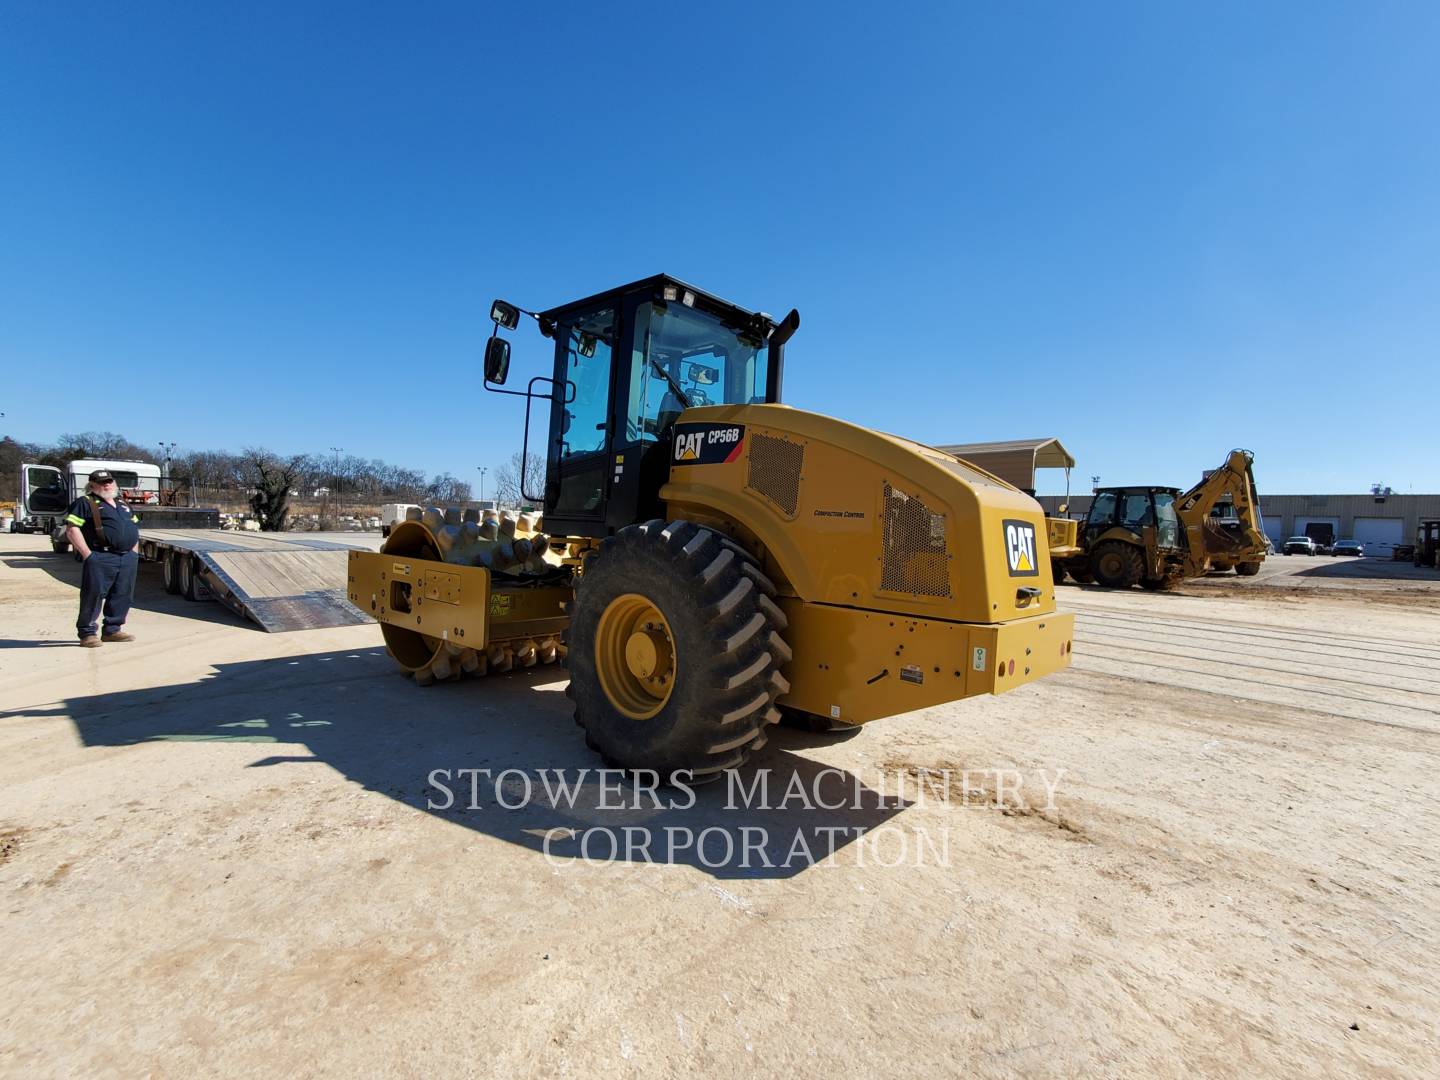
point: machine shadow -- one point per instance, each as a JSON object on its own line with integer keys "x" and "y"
{"x": 150, "y": 594}
{"x": 356, "y": 713}
{"x": 1370, "y": 568}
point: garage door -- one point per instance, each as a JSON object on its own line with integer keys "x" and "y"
{"x": 1274, "y": 528}
{"x": 1302, "y": 526}
{"x": 1379, "y": 535}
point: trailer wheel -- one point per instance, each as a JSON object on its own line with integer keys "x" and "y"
{"x": 191, "y": 585}
{"x": 675, "y": 650}
{"x": 170, "y": 571}
{"x": 1247, "y": 569}
{"x": 1117, "y": 565}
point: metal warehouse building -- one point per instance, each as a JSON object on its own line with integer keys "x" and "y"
{"x": 1378, "y": 523}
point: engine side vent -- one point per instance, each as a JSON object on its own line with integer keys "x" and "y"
{"x": 916, "y": 556}
{"x": 775, "y": 470}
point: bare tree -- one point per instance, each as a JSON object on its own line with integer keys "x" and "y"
{"x": 102, "y": 444}
{"x": 273, "y": 478}
{"x": 224, "y": 474}
{"x": 507, "y": 479}
{"x": 445, "y": 488}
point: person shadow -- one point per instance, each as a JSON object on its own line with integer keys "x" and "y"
{"x": 149, "y": 595}
{"x": 502, "y": 756}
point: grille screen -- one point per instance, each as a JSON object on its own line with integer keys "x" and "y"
{"x": 916, "y": 558}
{"x": 775, "y": 470}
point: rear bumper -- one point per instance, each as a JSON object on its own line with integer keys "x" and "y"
{"x": 1021, "y": 651}
{"x": 856, "y": 666}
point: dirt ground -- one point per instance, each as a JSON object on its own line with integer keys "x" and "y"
{"x": 222, "y": 851}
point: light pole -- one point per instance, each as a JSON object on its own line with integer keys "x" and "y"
{"x": 335, "y": 478}
{"x": 483, "y": 471}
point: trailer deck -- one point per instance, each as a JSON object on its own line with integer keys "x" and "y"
{"x": 281, "y": 581}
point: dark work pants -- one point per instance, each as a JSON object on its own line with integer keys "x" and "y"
{"x": 106, "y": 579}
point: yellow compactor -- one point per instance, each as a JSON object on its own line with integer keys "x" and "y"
{"x": 708, "y": 556}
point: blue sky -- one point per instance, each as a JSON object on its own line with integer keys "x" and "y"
{"x": 1156, "y": 233}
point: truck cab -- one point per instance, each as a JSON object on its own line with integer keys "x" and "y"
{"x": 47, "y": 492}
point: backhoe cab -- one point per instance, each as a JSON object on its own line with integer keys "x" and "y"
{"x": 709, "y": 556}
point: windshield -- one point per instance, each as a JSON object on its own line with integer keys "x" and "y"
{"x": 685, "y": 358}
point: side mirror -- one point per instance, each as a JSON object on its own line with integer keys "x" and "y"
{"x": 497, "y": 360}
{"x": 506, "y": 316}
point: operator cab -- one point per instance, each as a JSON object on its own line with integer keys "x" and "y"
{"x": 627, "y": 363}
{"x": 1134, "y": 508}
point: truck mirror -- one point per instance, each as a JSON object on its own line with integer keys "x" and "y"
{"x": 497, "y": 360}
{"x": 505, "y": 315}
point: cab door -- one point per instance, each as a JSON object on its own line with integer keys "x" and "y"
{"x": 42, "y": 491}
{"x": 578, "y": 457}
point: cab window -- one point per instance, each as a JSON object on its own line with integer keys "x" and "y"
{"x": 1102, "y": 509}
{"x": 684, "y": 358}
{"x": 589, "y": 341}
{"x": 1137, "y": 512}
{"x": 1167, "y": 522}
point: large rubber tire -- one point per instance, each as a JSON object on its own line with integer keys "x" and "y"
{"x": 1079, "y": 570}
{"x": 170, "y": 572}
{"x": 1247, "y": 569}
{"x": 191, "y": 586}
{"x": 1057, "y": 570}
{"x": 1117, "y": 565}
{"x": 722, "y": 630}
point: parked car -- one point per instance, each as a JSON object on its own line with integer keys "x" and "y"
{"x": 1301, "y": 545}
{"x": 1348, "y": 547}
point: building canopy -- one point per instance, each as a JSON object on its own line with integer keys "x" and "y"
{"x": 1015, "y": 460}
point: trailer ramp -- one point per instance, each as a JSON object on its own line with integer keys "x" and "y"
{"x": 281, "y": 582}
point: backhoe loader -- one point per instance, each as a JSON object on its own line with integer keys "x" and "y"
{"x": 707, "y": 555}
{"x": 1158, "y": 536}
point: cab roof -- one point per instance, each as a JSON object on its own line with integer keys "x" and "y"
{"x": 654, "y": 284}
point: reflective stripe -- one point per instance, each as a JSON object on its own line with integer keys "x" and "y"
{"x": 73, "y": 520}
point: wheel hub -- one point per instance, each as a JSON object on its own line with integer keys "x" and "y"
{"x": 635, "y": 656}
{"x": 647, "y": 653}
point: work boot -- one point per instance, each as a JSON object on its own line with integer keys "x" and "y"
{"x": 118, "y": 635}
{"x": 91, "y": 642}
